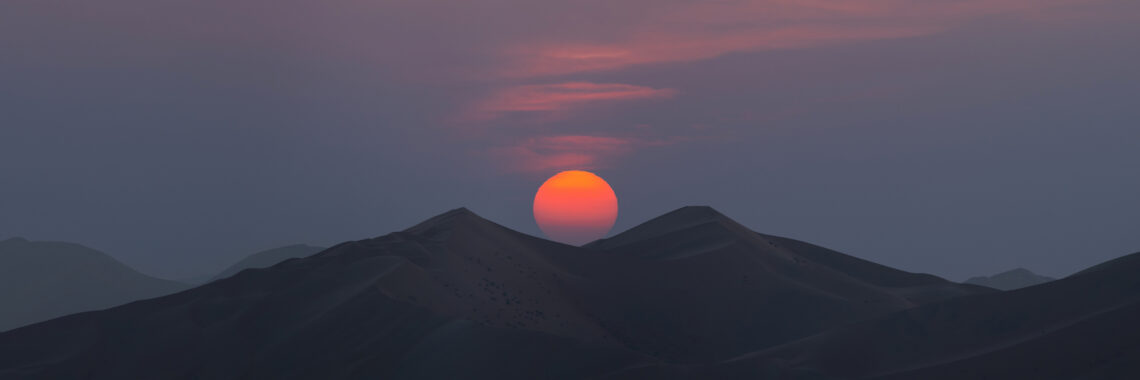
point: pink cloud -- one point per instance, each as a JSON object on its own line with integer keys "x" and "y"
{"x": 562, "y": 97}
{"x": 625, "y": 35}
{"x": 560, "y": 59}
{"x": 555, "y": 153}
{"x": 680, "y": 31}
{"x": 691, "y": 31}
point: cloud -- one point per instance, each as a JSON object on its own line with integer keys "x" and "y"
{"x": 545, "y": 61}
{"x": 562, "y": 59}
{"x": 560, "y": 97}
{"x": 665, "y": 31}
{"x": 556, "y": 153}
{"x": 555, "y": 71}
{"x": 689, "y": 31}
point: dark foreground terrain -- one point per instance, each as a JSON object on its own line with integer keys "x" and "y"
{"x": 690, "y": 294}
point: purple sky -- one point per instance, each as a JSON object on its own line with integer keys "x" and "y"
{"x": 957, "y": 138}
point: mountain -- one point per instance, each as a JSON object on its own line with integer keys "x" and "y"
{"x": 44, "y": 280}
{"x": 1079, "y": 327}
{"x": 261, "y": 259}
{"x": 196, "y": 280}
{"x": 1010, "y": 280}
{"x": 458, "y": 296}
{"x": 453, "y": 297}
{"x": 268, "y": 258}
{"x": 740, "y": 290}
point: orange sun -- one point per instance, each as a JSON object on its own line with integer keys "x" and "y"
{"x": 575, "y": 207}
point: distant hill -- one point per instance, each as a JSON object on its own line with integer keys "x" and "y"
{"x": 458, "y": 296}
{"x": 1010, "y": 280}
{"x": 268, "y": 258}
{"x": 44, "y": 280}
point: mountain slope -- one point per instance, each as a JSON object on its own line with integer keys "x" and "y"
{"x": 455, "y": 296}
{"x": 1077, "y": 327}
{"x": 268, "y": 258}
{"x": 1010, "y": 280}
{"x": 743, "y": 291}
{"x": 44, "y": 280}
{"x": 468, "y": 297}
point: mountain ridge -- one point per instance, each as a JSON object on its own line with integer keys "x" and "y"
{"x": 44, "y": 280}
{"x": 459, "y": 275}
{"x": 968, "y": 335}
{"x": 266, "y": 258}
{"x": 1009, "y": 280}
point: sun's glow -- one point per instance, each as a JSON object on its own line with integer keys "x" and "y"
{"x": 575, "y": 207}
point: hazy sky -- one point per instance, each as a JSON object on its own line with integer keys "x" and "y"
{"x": 957, "y": 137}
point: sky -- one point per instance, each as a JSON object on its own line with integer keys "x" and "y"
{"x": 957, "y": 138}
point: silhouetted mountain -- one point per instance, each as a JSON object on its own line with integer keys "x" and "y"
{"x": 196, "y": 280}
{"x": 1079, "y": 327}
{"x": 261, "y": 259}
{"x": 458, "y": 296}
{"x": 742, "y": 290}
{"x": 268, "y": 258}
{"x": 45, "y": 280}
{"x": 1010, "y": 280}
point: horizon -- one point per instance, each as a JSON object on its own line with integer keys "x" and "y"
{"x": 959, "y": 139}
{"x": 519, "y": 189}
{"x": 540, "y": 236}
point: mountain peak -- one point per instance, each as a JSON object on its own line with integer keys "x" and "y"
{"x": 687, "y": 215}
{"x": 458, "y": 211}
{"x": 447, "y": 220}
{"x": 677, "y": 220}
{"x": 1016, "y": 271}
{"x": 1010, "y": 279}
{"x": 695, "y": 210}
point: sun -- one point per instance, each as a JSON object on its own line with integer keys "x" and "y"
{"x": 575, "y": 207}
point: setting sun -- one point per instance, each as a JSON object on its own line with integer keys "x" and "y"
{"x": 575, "y": 207}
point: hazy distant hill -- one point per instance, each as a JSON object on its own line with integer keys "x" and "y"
{"x": 44, "y": 280}
{"x": 269, "y": 258}
{"x": 458, "y": 296}
{"x": 263, "y": 259}
{"x": 1010, "y": 280}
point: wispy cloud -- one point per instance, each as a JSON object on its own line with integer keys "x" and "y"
{"x": 689, "y": 31}
{"x": 554, "y": 153}
{"x": 569, "y": 58}
{"x": 638, "y": 34}
{"x": 558, "y": 97}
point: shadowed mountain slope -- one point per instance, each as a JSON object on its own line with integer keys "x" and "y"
{"x": 460, "y": 296}
{"x": 1082, "y": 326}
{"x": 453, "y": 297}
{"x": 701, "y": 272}
{"x": 44, "y": 280}
{"x": 1010, "y": 280}
{"x": 268, "y": 258}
